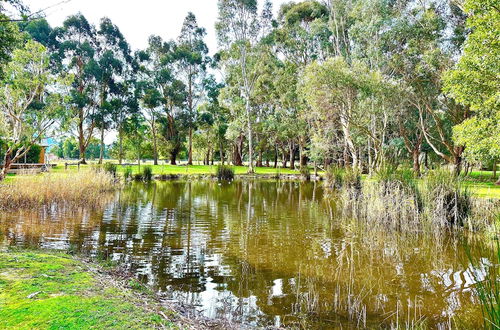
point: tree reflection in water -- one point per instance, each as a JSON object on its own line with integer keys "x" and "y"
{"x": 265, "y": 253}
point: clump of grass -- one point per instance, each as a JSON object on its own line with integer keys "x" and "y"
{"x": 85, "y": 188}
{"x": 223, "y": 172}
{"x": 305, "y": 173}
{"x": 338, "y": 178}
{"x": 334, "y": 177}
{"x": 449, "y": 201}
{"x": 110, "y": 168}
{"x": 147, "y": 173}
{"x": 127, "y": 174}
{"x": 391, "y": 180}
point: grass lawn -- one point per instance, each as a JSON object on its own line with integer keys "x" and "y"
{"x": 43, "y": 290}
{"x": 189, "y": 170}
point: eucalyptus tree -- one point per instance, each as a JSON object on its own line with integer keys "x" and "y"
{"x": 238, "y": 32}
{"x": 417, "y": 57}
{"x": 113, "y": 55}
{"x": 335, "y": 92}
{"x": 123, "y": 105}
{"x": 9, "y": 33}
{"x": 74, "y": 50}
{"x": 475, "y": 82}
{"x": 28, "y": 107}
{"x": 192, "y": 60}
{"x": 164, "y": 91}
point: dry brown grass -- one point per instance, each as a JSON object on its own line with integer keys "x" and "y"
{"x": 83, "y": 189}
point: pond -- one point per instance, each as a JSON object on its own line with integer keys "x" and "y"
{"x": 265, "y": 253}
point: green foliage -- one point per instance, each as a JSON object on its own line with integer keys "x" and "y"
{"x": 147, "y": 173}
{"x": 127, "y": 174}
{"x": 110, "y": 168}
{"x": 448, "y": 197}
{"x": 339, "y": 177}
{"x": 305, "y": 173}
{"x": 475, "y": 82}
{"x": 223, "y": 172}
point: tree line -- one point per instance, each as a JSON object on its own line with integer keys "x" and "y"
{"x": 358, "y": 83}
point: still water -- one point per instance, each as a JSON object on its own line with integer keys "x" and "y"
{"x": 265, "y": 253}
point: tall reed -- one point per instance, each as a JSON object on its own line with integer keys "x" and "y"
{"x": 85, "y": 188}
{"x": 487, "y": 287}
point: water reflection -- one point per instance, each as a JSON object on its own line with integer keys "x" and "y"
{"x": 264, "y": 253}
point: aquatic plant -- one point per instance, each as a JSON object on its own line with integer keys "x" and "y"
{"x": 110, "y": 168}
{"x": 487, "y": 286}
{"x": 449, "y": 203}
{"x": 223, "y": 172}
{"x": 337, "y": 178}
{"x": 147, "y": 173}
{"x": 127, "y": 174}
{"x": 85, "y": 188}
{"x": 305, "y": 173}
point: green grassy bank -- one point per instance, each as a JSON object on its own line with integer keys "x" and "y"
{"x": 44, "y": 290}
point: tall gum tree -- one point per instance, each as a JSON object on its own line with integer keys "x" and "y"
{"x": 238, "y": 29}
{"x": 27, "y": 110}
{"x": 475, "y": 81}
{"x": 74, "y": 51}
{"x": 192, "y": 65}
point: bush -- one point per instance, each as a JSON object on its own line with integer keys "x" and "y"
{"x": 224, "y": 172}
{"x": 110, "y": 168}
{"x": 334, "y": 177}
{"x": 449, "y": 200}
{"x": 128, "y": 173}
{"x": 147, "y": 173}
{"x": 305, "y": 173}
{"x": 338, "y": 178}
{"x": 138, "y": 176}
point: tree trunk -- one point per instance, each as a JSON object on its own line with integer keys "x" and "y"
{"x": 173, "y": 157}
{"x": 101, "y": 151}
{"x": 155, "y": 142}
{"x": 276, "y": 156}
{"x": 457, "y": 165}
{"x": 259, "y": 161}
{"x": 494, "y": 169}
{"x": 7, "y": 162}
{"x": 190, "y": 148}
{"x": 221, "y": 153}
{"x": 416, "y": 162}
{"x": 120, "y": 150}
{"x": 250, "y": 136}
{"x": 292, "y": 156}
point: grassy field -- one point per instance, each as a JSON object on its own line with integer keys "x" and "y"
{"x": 42, "y": 290}
{"x": 188, "y": 170}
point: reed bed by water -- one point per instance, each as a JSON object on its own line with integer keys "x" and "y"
{"x": 396, "y": 200}
{"x": 82, "y": 189}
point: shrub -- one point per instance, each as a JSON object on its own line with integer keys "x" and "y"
{"x": 334, "y": 177}
{"x": 128, "y": 173}
{"x": 138, "y": 176}
{"x": 110, "y": 168}
{"x": 448, "y": 199}
{"x": 147, "y": 173}
{"x": 390, "y": 179}
{"x": 305, "y": 173}
{"x": 224, "y": 172}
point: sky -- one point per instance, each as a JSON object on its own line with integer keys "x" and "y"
{"x": 137, "y": 20}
